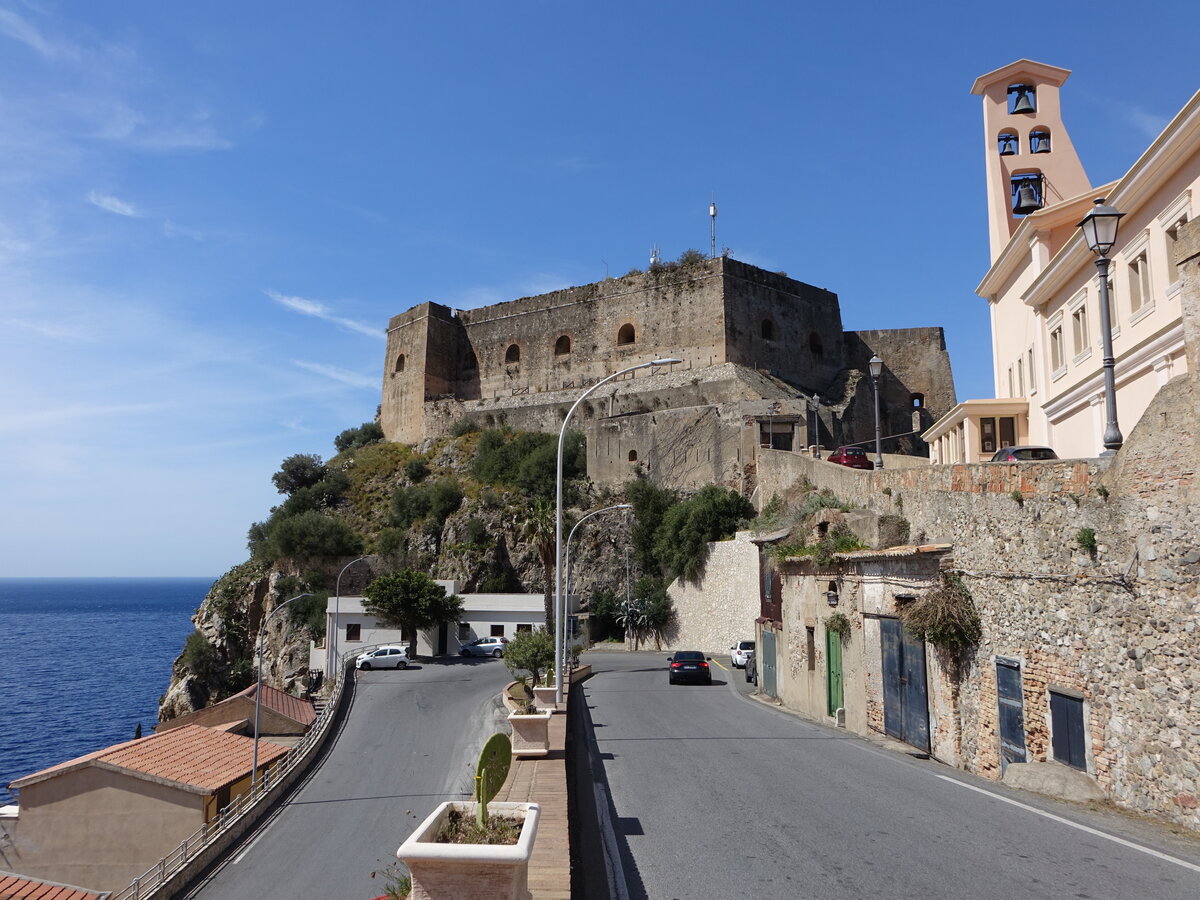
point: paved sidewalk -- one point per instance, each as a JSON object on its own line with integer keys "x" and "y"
{"x": 543, "y": 780}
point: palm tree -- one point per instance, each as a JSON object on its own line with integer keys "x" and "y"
{"x": 538, "y": 526}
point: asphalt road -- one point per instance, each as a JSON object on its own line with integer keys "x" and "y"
{"x": 714, "y": 794}
{"x": 409, "y": 742}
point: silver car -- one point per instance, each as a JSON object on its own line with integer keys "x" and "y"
{"x": 485, "y": 646}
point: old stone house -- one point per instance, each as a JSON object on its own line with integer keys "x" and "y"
{"x": 103, "y": 819}
{"x": 764, "y": 361}
{"x": 834, "y": 647}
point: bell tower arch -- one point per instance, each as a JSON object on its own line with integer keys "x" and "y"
{"x": 1031, "y": 162}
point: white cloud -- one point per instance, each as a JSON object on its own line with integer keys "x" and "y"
{"x": 112, "y": 204}
{"x": 319, "y": 310}
{"x": 25, "y": 32}
{"x": 354, "y": 379}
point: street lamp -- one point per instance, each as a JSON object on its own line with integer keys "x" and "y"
{"x": 262, "y": 631}
{"x": 558, "y": 515}
{"x": 1099, "y": 228}
{"x": 876, "y": 366}
{"x": 814, "y": 409}
{"x": 337, "y": 611}
{"x": 567, "y": 565}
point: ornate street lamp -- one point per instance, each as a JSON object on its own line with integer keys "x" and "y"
{"x": 262, "y": 631}
{"x": 1099, "y": 228}
{"x": 558, "y": 516}
{"x": 814, "y": 410}
{"x": 876, "y": 366}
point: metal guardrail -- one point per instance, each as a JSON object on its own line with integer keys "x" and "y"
{"x": 147, "y": 884}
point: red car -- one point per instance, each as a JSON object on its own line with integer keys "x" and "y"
{"x": 854, "y": 457}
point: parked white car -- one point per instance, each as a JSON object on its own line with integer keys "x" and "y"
{"x": 740, "y": 652}
{"x": 383, "y": 658}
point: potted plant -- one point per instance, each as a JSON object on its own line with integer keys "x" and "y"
{"x": 477, "y": 849}
{"x": 533, "y": 652}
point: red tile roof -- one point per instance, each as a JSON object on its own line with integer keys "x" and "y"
{"x": 202, "y": 760}
{"x": 296, "y": 708}
{"x": 18, "y": 887}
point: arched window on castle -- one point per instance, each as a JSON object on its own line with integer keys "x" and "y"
{"x": 918, "y": 401}
{"x": 562, "y": 346}
{"x": 626, "y": 334}
{"x": 768, "y": 330}
{"x": 400, "y": 363}
{"x": 512, "y": 354}
{"x": 633, "y": 456}
{"x": 814, "y": 344}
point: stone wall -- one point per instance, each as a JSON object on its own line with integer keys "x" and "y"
{"x": 1116, "y": 626}
{"x": 721, "y": 609}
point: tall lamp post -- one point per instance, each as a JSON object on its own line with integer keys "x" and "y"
{"x": 876, "y": 366}
{"x": 337, "y": 612}
{"x": 567, "y": 565}
{"x": 262, "y": 631}
{"x": 814, "y": 411}
{"x": 1100, "y": 231}
{"x": 558, "y": 516}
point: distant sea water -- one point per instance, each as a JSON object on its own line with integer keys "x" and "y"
{"x": 84, "y": 660}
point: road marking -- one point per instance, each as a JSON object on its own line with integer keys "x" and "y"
{"x": 1076, "y": 825}
{"x": 250, "y": 846}
{"x": 715, "y": 663}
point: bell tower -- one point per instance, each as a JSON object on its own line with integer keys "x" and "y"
{"x": 1031, "y": 162}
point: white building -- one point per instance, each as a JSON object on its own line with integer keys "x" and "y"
{"x": 1042, "y": 287}
{"x": 349, "y": 629}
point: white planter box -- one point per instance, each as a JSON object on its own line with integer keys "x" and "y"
{"x": 480, "y": 871}
{"x": 530, "y": 733}
{"x": 545, "y": 698}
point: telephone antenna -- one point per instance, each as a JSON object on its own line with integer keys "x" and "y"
{"x": 654, "y": 259}
{"x": 712, "y": 215}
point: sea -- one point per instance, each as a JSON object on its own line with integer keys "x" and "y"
{"x": 84, "y": 662}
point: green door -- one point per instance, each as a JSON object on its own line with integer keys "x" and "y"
{"x": 833, "y": 671}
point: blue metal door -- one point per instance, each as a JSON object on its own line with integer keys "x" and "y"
{"x": 1012, "y": 712}
{"x": 766, "y": 663}
{"x": 905, "y": 690}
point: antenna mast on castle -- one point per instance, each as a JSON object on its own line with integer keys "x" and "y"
{"x": 712, "y": 215}
{"x": 654, "y": 260}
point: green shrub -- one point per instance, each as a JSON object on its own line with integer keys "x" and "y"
{"x": 532, "y": 652}
{"x": 308, "y": 534}
{"x": 310, "y": 613}
{"x": 416, "y": 470}
{"x": 1086, "y": 538}
{"x": 325, "y": 494}
{"x": 298, "y": 471}
{"x": 945, "y": 616}
{"x": 650, "y": 505}
{"x": 352, "y": 438}
{"x": 476, "y": 533}
{"x": 200, "y": 657}
{"x": 527, "y": 460}
{"x": 839, "y": 624}
{"x": 462, "y": 427}
{"x": 692, "y": 258}
{"x": 681, "y": 541}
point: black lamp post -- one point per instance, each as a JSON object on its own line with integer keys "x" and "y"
{"x": 876, "y": 365}
{"x": 814, "y": 412}
{"x": 1100, "y": 231}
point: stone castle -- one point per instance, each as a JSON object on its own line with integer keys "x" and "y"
{"x": 764, "y": 363}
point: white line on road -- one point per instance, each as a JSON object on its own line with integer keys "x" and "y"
{"x": 1088, "y": 829}
{"x": 250, "y": 846}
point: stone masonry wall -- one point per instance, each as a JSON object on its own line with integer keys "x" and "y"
{"x": 1117, "y": 625}
{"x": 721, "y": 609}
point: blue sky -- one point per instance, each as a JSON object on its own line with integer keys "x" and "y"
{"x": 209, "y": 211}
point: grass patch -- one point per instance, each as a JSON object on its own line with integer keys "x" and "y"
{"x": 460, "y": 828}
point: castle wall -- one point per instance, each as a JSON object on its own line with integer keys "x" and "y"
{"x": 415, "y": 361}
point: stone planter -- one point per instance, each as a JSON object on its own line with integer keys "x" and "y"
{"x": 530, "y": 733}
{"x": 545, "y": 699}
{"x": 482, "y": 871}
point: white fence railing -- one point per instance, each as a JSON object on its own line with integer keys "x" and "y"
{"x": 147, "y": 884}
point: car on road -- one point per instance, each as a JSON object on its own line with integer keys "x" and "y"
{"x": 485, "y": 646}
{"x": 740, "y": 652}
{"x": 854, "y": 457}
{"x": 383, "y": 658}
{"x": 752, "y": 669}
{"x": 689, "y": 665}
{"x": 1023, "y": 454}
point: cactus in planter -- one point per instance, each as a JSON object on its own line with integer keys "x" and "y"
{"x": 494, "y": 760}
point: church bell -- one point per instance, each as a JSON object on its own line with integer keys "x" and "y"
{"x": 1027, "y": 200}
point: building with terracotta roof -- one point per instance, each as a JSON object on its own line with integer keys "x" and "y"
{"x": 104, "y": 818}
{"x": 280, "y": 713}
{"x": 18, "y": 887}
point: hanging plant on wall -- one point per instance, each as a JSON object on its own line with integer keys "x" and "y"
{"x": 839, "y": 624}
{"x": 945, "y": 616}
